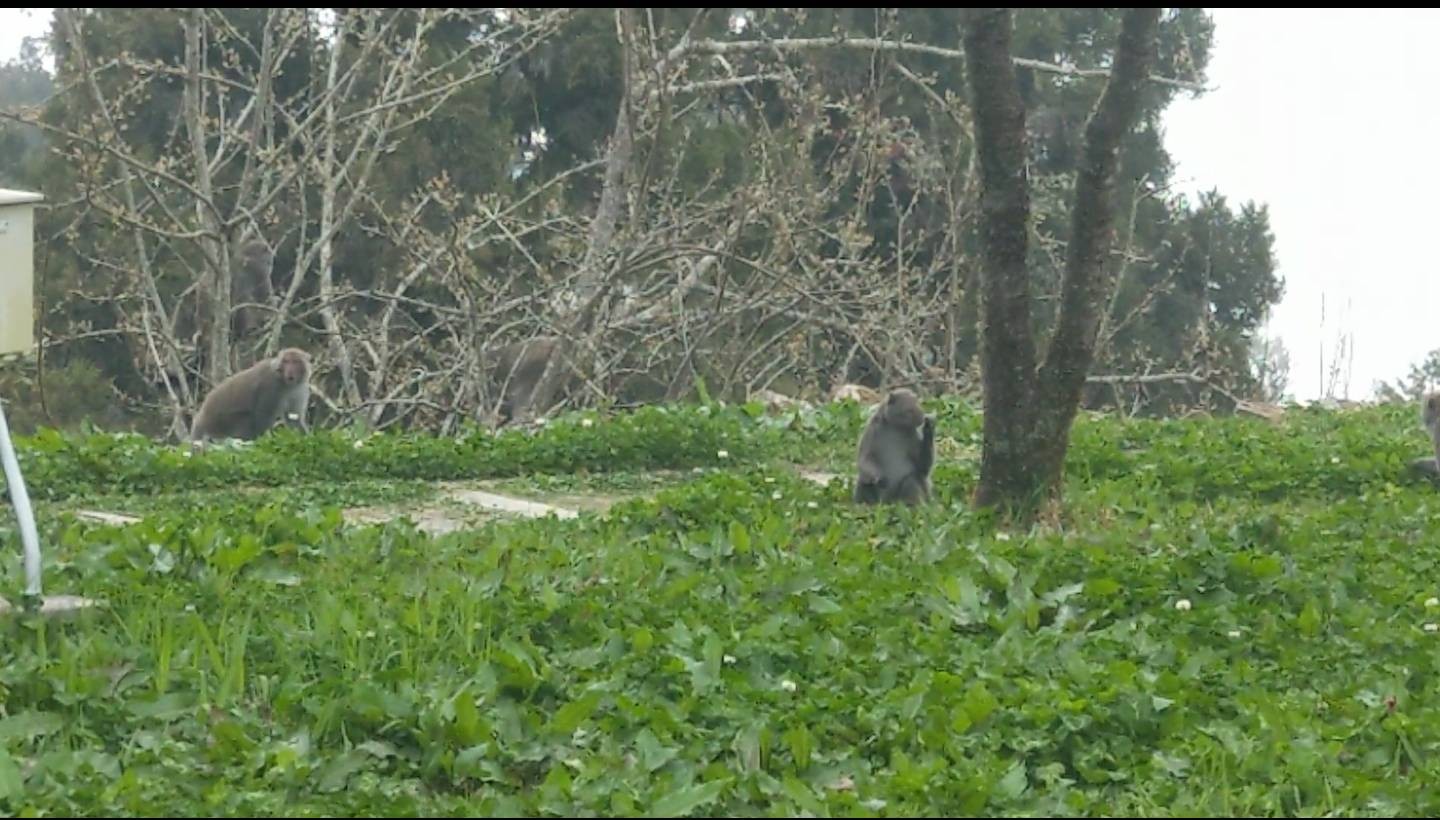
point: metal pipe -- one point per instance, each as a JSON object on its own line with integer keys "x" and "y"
{"x": 29, "y": 539}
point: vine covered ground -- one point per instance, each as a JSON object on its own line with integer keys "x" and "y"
{"x": 1233, "y": 617}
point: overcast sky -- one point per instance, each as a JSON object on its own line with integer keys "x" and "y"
{"x": 1328, "y": 117}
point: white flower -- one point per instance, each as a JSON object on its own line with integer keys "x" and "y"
{"x": 1431, "y": 603}
{"x": 587, "y": 423}
{"x": 1002, "y": 536}
{"x": 1183, "y": 604}
{"x": 723, "y": 454}
{"x": 359, "y": 442}
{"x": 775, "y": 495}
{"x": 1234, "y": 633}
{"x": 812, "y": 505}
{"x": 787, "y": 685}
{"x": 729, "y": 660}
{"x": 769, "y": 479}
{"x": 1432, "y": 627}
{"x": 845, "y": 783}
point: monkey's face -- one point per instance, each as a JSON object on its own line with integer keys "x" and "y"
{"x": 294, "y": 367}
{"x": 902, "y": 409}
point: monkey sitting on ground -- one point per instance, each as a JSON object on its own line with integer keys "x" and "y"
{"x": 897, "y": 452}
{"x": 250, "y": 402}
{"x": 1430, "y": 418}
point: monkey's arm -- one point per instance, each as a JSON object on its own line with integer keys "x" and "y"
{"x": 297, "y": 403}
{"x": 926, "y": 460}
{"x": 870, "y": 470}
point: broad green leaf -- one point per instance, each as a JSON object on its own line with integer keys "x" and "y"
{"x": 681, "y": 803}
{"x": 569, "y": 717}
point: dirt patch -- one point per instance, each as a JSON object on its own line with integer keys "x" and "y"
{"x": 115, "y": 519}
{"x": 508, "y": 504}
{"x": 432, "y": 520}
{"x": 469, "y": 505}
{"x": 822, "y": 479}
{"x": 460, "y": 507}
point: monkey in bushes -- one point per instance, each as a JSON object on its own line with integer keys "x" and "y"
{"x": 515, "y": 370}
{"x": 250, "y": 286}
{"x": 250, "y": 402}
{"x": 897, "y": 452}
{"x": 1430, "y": 419}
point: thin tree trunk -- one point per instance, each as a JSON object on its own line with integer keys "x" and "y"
{"x": 330, "y": 192}
{"x": 1089, "y": 278}
{"x": 590, "y": 285}
{"x": 215, "y": 280}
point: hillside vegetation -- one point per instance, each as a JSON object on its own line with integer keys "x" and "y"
{"x": 1233, "y": 617}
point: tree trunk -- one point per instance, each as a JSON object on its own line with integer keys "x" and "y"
{"x": 1028, "y": 410}
{"x": 590, "y": 286}
{"x": 329, "y": 195}
{"x": 214, "y": 303}
{"x": 1007, "y": 348}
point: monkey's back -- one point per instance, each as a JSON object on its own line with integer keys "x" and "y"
{"x": 895, "y": 448}
{"x": 898, "y": 449}
{"x": 230, "y": 409}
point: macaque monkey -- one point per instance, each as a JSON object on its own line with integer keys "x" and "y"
{"x": 1430, "y": 419}
{"x": 250, "y": 284}
{"x": 897, "y": 452}
{"x": 250, "y": 402}
{"x": 516, "y": 372}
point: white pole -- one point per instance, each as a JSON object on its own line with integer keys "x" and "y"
{"x": 21, "y": 499}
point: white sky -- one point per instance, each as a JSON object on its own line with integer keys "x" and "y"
{"x": 17, "y": 24}
{"x": 1309, "y": 112}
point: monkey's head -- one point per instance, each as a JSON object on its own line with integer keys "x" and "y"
{"x": 902, "y": 409}
{"x": 255, "y": 250}
{"x": 293, "y": 365}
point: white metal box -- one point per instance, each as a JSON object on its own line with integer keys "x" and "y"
{"x": 17, "y": 270}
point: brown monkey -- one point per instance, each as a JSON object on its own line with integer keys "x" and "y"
{"x": 897, "y": 452}
{"x": 250, "y": 284}
{"x": 1430, "y": 419}
{"x": 250, "y": 402}
{"x": 516, "y": 371}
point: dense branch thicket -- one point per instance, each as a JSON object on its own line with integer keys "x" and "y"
{"x": 679, "y": 197}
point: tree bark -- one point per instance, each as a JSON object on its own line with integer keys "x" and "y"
{"x": 1089, "y": 279}
{"x": 1007, "y": 346}
{"x": 214, "y": 304}
{"x": 1028, "y": 411}
{"x": 590, "y": 286}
